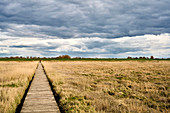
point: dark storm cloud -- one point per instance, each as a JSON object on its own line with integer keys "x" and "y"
{"x": 20, "y": 46}
{"x": 87, "y": 28}
{"x": 123, "y": 50}
{"x": 99, "y": 44}
{"x": 85, "y": 18}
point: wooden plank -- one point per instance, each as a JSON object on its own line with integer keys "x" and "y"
{"x": 40, "y": 98}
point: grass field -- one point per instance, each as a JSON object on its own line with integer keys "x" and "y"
{"x": 102, "y": 86}
{"x": 14, "y": 79}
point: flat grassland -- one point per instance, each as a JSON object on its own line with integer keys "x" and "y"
{"x": 102, "y": 86}
{"x": 14, "y": 79}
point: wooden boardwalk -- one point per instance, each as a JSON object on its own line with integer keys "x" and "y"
{"x": 40, "y": 98}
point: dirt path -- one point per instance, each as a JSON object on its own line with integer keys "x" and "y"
{"x": 40, "y": 98}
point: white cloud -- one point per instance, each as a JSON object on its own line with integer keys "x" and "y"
{"x": 147, "y": 45}
{"x": 2, "y": 51}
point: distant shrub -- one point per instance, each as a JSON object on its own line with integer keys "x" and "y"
{"x": 152, "y": 57}
{"x": 64, "y": 57}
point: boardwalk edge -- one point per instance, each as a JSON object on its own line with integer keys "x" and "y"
{"x": 56, "y": 96}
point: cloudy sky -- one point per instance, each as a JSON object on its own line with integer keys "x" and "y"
{"x": 85, "y": 28}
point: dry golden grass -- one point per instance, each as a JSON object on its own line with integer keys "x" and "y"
{"x": 14, "y": 79}
{"x": 127, "y": 86}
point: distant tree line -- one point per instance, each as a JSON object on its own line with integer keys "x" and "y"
{"x": 151, "y": 57}
{"x": 31, "y": 57}
{"x": 75, "y": 58}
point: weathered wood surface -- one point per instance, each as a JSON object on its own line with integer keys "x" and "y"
{"x": 40, "y": 98}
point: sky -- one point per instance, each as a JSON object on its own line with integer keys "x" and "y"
{"x": 85, "y": 28}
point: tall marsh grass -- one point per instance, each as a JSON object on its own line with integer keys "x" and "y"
{"x": 100, "y": 86}
{"x": 14, "y": 79}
